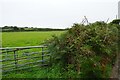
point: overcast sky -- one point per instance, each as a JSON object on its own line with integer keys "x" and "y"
{"x": 55, "y": 13}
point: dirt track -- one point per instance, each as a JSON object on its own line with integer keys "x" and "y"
{"x": 116, "y": 69}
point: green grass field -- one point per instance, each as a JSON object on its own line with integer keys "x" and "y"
{"x": 15, "y": 39}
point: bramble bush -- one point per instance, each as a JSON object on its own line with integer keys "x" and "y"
{"x": 85, "y": 51}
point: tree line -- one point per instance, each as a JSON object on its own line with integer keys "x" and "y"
{"x": 20, "y": 29}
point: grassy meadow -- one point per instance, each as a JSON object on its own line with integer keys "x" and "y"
{"x": 16, "y": 39}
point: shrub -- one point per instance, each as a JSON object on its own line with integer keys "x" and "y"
{"x": 85, "y": 51}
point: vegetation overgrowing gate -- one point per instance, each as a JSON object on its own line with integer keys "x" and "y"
{"x": 18, "y": 58}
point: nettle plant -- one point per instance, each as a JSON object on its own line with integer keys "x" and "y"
{"x": 86, "y": 50}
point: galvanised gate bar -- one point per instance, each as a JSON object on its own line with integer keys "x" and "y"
{"x": 19, "y": 58}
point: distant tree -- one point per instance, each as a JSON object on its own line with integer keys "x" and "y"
{"x": 15, "y": 28}
{"x": 5, "y": 27}
{"x": 26, "y": 27}
{"x": 22, "y": 29}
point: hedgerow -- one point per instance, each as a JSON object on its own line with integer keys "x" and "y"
{"x": 85, "y": 51}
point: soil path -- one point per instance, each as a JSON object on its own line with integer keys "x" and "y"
{"x": 116, "y": 69}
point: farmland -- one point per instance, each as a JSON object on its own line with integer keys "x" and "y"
{"x": 17, "y": 39}
{"x": 14, "y": 39}
{"x": 84, "y": 51}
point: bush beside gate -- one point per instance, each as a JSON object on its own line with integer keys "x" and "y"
{"x": 87, "y": 51}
